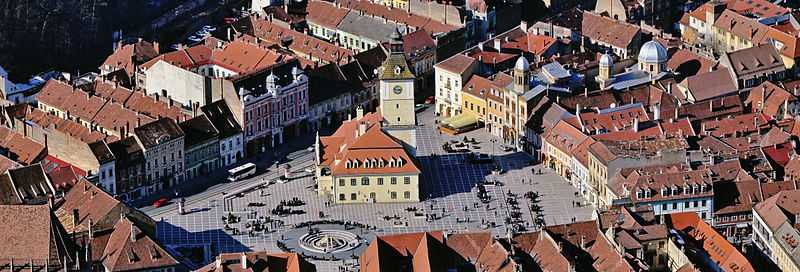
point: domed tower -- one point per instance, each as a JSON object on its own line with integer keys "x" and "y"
{"x": 605, "y": 73}
{"x": 653, "y": 58}
{"x": 521, "y": 75}
{"x": 606, "y": 70}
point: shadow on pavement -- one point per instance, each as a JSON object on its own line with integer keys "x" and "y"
{"x": 217, "y": 240}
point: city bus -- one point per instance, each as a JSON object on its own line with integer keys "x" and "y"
{"x": 241, "y": 172}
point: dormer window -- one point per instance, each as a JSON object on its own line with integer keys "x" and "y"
{"x": 348, "y": 164}
{"x": 648, "y": 193}
{"x": 665, "y": 191}
{"x": 397, "y": 70}
{"x": 695, "y": 189}
{"x": 674, "y": 190}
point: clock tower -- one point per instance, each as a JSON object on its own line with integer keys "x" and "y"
{"x": 397, "y": 95}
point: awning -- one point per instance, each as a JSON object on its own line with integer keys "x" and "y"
{"x": 461, "y": 121}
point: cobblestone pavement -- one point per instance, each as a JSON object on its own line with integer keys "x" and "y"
{"x": 448, "y": 184}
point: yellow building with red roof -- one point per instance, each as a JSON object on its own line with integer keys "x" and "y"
{"x": 361, "y": 163}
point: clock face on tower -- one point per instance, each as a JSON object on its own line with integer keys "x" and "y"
{"x": 397, "y": 89}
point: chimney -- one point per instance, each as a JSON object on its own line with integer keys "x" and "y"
{"x": 45, "y": 141}
{"x": 244, "y": 261}
{"x": 480, "y": 46}
{"x": 133, "y": 231}
{"x": 91, "y": 229}
{"x": 359, "y": 112}
{"x": 75, "y": 217}
{"x": 636, "y": 124}
{"x": 497, "y": 44}
{"x": 362, "y": 128}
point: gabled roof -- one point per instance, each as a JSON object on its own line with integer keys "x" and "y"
{"x": 86, "y": 203}
{"x": 754, "y": 59}
{"x": 769, "y": 98}
{"x": 157, "y": 132}
{"x": 714, "y": 244}
{"x": 198, "y": 130}
{"x": 710, "y": 85}
{"x": 607, "y": 30}
{"x": 347, "y": 146}
{"x": 421, "y": 251}
{"x": 457, "y": 64}
{"x": 21, "y": 148}
{"x": 324, "y": 13}
{"x": 30, "y": 232}
{"x": 131, "y": 249}
{"x": 222, "y": 118}
{"x": 741, "y": 26}
{"x": 259, "y": 262}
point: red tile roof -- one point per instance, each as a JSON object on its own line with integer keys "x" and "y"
{"x": 564, "y": 137}
{"x": 768, "y": 98}
{"x": 346, "y": 146}
{"x": 325, "y": 13}
{"x": 399, "y": 16}
{"x": 129, "y": 249}
{"x": 259, "y": 262}
{"x": 307, "y": 46}
{"x": 607, "y": 30}
{"x": 20, "y": 148}
{"x": 423, "y": 250}
{"x": 717, "y": 246}
{"x": 29, "y": 233}
{"x": 687, "y": 58}
{"x": 458, "y": 64}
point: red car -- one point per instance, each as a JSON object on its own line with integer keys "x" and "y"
{"x": 429, "y": 100}
{"x": 160, "y": 202}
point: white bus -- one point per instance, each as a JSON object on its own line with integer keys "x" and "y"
{"x": 243, "y": 171}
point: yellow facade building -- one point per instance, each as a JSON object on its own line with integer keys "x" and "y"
{"x": 360, "y": 163}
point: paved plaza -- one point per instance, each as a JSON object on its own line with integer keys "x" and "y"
{"x": 448, "y": 182}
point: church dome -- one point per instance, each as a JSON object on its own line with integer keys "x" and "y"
{"x": 522, "y": 64}
{"x": 653, "y": 52}
{"x": 606, "y": 60}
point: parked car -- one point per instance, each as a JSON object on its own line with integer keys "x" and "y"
{"x": 419, "y": 107}
{"x": 161, "y": 202}
{"x": 209, "y": 28}
{"x": 429, "y": 100}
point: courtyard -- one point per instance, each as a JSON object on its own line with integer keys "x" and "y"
{"x": 449, "y": 182}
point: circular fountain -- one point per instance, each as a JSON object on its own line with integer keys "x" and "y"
{"x": 326, "y": 240}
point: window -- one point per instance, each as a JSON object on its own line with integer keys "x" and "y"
{"x": 341, "y": 182}
{"x": 380, "y": 181}
{"x": 341, "y": 196}
{"x": 394, "y": 180}
{"x": 407, "y": 180}
{"x": 365, "y": 181}
{"x": 664, "y": 207}
{"x": 394, "y": 195}
{"x": 686, "y": 204}
{"x": 372, "y": 195}
{"x": 674, "y": 205}
{"x": 353, "y": 196}
{"x": 703, "y": 203}
{"x": 352, "y": 182}
{"x": 407, "y": 195}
